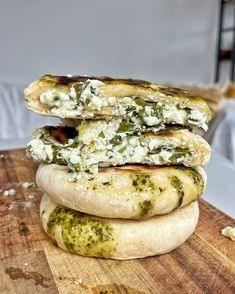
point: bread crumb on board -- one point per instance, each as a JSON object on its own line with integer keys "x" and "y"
{"x": 10, "y": 192}
{"x": 27, "y": 185}
{"x": 229, "y": 232}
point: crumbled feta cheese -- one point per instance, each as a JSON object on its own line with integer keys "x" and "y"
{"x": 128, "y": 101}
{"x": 112, "y": 101}
{"x": 64, "y": 112}
{"x": 71, "y": 155}
{"x": 134, "y": 141}
{"x": 90, "y": 91}
{"x": 173, "y": 113}
{"x": 27, "y": 185}
{"x": 196, "y": 114}
{"x": 74, "y": 158}
{"x": 66, "y": 104}
{"x": 198, "y": 118}
{"x": 148, "y": 110}
{"x": 10, "y": 192}
{"x": 90, "y": 131}
{"x": 49, "y": 97}
{"x": 72, "y": 93}
{"x": 139, "y": 154}
{"x": 85, "y": 101}
{"x": 41, "y": 151}
{"x": 151, "y": 120}
{"x": 180, "y": 159}
{"x": 165, "y": 155}
{"x": 96, "y": 103}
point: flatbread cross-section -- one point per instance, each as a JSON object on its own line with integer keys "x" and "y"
{"x": 82, "y": 97}
{"x": 98, "y": 144}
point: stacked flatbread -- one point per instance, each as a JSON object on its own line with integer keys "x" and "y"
{"x": 122, "y": 173}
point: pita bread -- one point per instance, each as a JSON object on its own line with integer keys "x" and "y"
{"x": 84, "y": 155}
{"x": 131, "y": 191}
{"x": 115, "y": 238}
{"x": 108, "y": 94}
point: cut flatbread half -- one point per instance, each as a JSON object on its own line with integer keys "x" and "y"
{"x": 114, "y": 238}
{"x": 84, "y": 150}
{"x": 124, "y": 192}
{"x": 83, "y": 97}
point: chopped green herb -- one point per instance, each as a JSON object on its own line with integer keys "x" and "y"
{"x": 78, "y": 89}
{"x": 101, "y": 134}
{"x": 122, "y": 149}
{"x": 115, "y": 140}
{"x": 125, "y": 126}
{"x": 179, "y": 155}
{"x": 141, "y": 102}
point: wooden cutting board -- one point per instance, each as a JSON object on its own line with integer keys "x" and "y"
{"x": 31, "y": 264}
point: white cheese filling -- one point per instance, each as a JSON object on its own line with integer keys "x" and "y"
{"x": 99, "y": 151}
{"x": 82, "y": 101}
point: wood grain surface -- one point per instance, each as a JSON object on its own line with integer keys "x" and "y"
{"x": 31, "y": 264}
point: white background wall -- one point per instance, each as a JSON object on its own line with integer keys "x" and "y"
{"x": 159, "y": 40}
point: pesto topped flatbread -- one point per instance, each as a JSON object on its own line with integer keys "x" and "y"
{"x": 115, "y": 238}
{"x": 82, "y": 97}
{"x": 130, "y": 191}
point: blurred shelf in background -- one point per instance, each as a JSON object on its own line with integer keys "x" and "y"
{"x": 224, "y": 54}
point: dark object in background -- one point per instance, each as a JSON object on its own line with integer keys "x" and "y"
{"x": 222, "y": 54}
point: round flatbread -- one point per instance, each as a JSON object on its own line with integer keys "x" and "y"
{"x": 83, "y": 97}
{"x": 114, "y": 238}
{"x": 131, "y": 191}
{"x": 86, "y": 151}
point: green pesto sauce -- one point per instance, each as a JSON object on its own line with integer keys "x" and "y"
{"x": 178, "y": 185}
{"x": 146, "y": 207}
{"x": 143, "y": 183}
{"x": 82, "y": 234}
{"x": 196, "y": 177}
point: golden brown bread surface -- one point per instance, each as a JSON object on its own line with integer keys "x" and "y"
{"x": 131, "y": 191}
